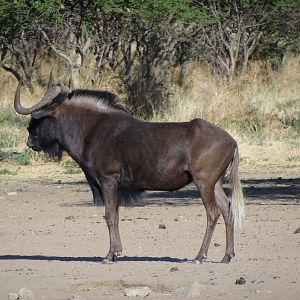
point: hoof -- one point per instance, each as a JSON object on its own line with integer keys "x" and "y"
{"x": 227, "y": 258}
{"x": 111, "y": 258}
{"x": 200, "y": 258}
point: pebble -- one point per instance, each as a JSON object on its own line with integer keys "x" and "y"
{"x": 297, "y": 230}
{"x": 137, "y": 292}
{"x": 25, "y": 294}
{"x": 12, "y": 193}
{"x": 241, "y": 280}
{"x": 162, "y": 226}
{"x": 174, "y": 269}
{"x": 217, "y": 245}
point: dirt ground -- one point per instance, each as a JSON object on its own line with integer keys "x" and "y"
{"x": 53, "y": 240}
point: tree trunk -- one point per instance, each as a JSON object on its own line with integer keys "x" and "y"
{"x": 75, "y": 70}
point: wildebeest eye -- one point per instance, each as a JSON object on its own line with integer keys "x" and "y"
{"x": 35, "y": 138}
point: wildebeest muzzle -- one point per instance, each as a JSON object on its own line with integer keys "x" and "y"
{"x": 32, "y": 145}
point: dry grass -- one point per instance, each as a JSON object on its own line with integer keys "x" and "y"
{"x": 262, "y": 91}
{"x": 261, "y": 110}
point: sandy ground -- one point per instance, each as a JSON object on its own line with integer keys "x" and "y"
{"x": 53, "y": 241}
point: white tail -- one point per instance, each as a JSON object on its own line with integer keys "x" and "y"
{"x": 237, "y": 212}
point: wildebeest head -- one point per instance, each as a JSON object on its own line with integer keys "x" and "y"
{"x": 41, "y": 126}
{"x": 41, "y": 137}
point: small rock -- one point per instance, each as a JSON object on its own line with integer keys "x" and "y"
{"x": 12, "y": 296}
{"x": 241, "y": 280}
{"x": 25, "y": 294}
{"x": 217, "y": 245}
{"x": 12, "y": 193}
{"x": 176, "y": 219}
{"x": 137, "y": 292}
{"x": 162, "y": 226}
{"x": 297, "y": 230}
{"x": 174, "y": 269}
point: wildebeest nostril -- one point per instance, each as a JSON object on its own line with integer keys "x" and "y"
{"x": 29, "y": 143}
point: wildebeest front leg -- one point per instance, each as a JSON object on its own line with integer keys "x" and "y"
{"x": 109, "y": 191}
{"x": 97, "y": 199}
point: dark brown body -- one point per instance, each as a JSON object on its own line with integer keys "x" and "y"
{"x": 116, "y": 150}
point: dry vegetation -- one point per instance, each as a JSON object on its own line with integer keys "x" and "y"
{"x": 261, "y": 110}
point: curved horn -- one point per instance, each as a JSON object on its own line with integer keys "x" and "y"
{"x": 17, "y": 105}
{"x": 46, "y": 100}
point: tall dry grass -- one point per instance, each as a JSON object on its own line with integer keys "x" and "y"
{"x": 262, "y": 91}
{"x": 261, "y": 110}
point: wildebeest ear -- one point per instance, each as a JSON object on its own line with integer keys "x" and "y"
{"x": 42, "y": 113}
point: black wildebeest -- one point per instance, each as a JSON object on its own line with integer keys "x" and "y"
{"x": 118, "y": 152}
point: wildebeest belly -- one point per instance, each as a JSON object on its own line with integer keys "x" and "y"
{"x": 157, "y": 161}
{"x": 158, "y": 179}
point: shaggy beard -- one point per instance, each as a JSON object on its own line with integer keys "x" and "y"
{"x": 53, "y": 151}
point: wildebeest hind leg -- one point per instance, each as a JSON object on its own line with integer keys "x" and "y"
{"x": 212, "y": 214}
{"x": 109, "y": 190}
{"x": 223, "y": 205}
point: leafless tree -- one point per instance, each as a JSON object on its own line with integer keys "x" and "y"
{"x": 69, "y": 39}
{"x": 231, "y": 33}
{"x": 19, "y": 59}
